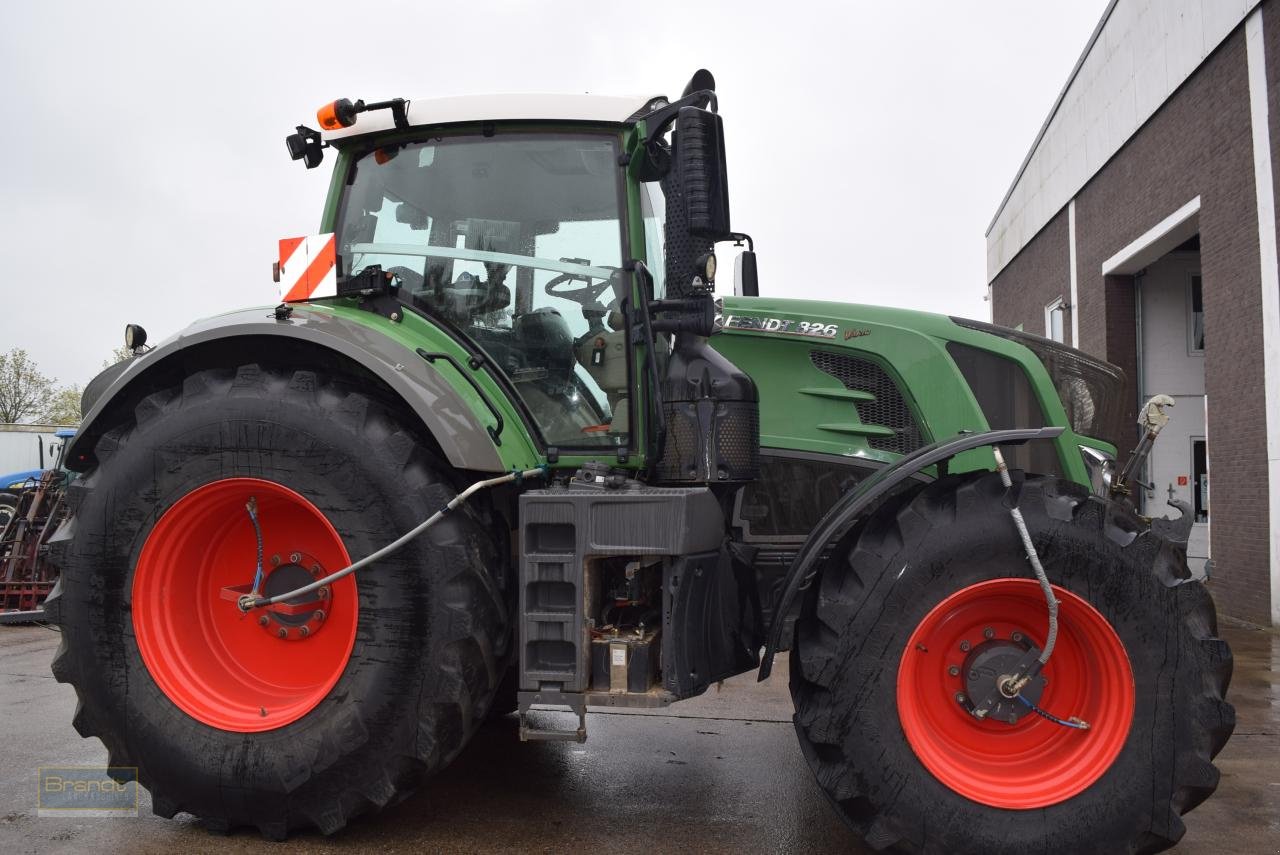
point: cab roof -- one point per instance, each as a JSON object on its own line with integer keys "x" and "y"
{"x": 613, "y": 109}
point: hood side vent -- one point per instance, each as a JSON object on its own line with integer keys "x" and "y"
{"x": 887, "y": 408}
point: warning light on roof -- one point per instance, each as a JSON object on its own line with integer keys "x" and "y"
{"x": 339, "y": 114}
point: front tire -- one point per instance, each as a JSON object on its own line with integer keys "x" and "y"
{"x": 883, "y": 652}
{"x": 267, "y": 725}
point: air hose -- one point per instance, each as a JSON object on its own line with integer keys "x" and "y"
{"x": 252, "y": 601}
{"x": 1051, "y": 638}
{"x": 1034, "y": 558}
{"x": 1072, "y": 722}
{"x": 252, "y": 507}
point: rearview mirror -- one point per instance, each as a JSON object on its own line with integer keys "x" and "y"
{"x": 700, "y": 164}
{"x": 745, "y": 281}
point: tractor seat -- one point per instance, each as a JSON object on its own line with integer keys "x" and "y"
{"x": 546, "y": 341}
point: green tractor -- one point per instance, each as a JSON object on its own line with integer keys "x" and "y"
{"x": 499, "y": 447}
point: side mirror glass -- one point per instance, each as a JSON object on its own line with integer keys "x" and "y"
{"x": 745, "y": 281}
{"x": 700, "y": 164}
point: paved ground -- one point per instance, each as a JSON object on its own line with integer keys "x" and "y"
{"x": 721, "y": 773}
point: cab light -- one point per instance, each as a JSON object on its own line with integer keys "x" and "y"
{"x": 336, "y": 115}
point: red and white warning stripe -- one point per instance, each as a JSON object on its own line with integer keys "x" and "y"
{"x": 307, "y": 268}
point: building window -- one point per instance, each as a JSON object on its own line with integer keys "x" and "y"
{"x": 1200, "y": 478}
{"x": 1195, "y": 328}
{"x": 1055, "y": 320}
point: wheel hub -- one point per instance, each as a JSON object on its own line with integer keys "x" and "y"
{"x": 297, "y": 618}
{"x": 988, "y": 668}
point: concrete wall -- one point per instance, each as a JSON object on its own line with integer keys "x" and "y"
{"x": 20, "y": 446}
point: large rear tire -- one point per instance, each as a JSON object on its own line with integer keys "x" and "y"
{"x": 252, "y": 720}
{"x": 883, "y": 651}
{"x": 8, "y": 507}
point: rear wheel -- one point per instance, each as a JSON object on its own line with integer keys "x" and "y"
{"x": 286, "y": 717}
{"x": 8, "y": 507}
{"x": 916, "y": 613}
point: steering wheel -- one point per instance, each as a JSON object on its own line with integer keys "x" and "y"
{"x": 586, "y": 294}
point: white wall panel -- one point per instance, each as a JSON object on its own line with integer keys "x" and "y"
{"x": 1144, "y": 51}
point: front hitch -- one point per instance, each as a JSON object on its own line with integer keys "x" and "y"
{"x": 1152, "y": 420}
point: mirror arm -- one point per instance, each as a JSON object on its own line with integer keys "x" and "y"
{"x": 660, "y": 119}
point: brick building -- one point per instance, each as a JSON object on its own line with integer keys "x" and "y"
{"x": 1141, "y": 228}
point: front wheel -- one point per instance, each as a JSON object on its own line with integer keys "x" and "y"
{"x": 283, "y": 718}
{"x": 917, "y": 615}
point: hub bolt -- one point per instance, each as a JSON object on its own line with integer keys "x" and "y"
{"x": 295, "y": 557}
{"x": 263, "y": 621}
{"x": 1017, "y": 636}
{"x": 304, "y": 632}
{"x": 964, "y": 646}
{"x": 283, "y": 633}
{"x": 323, "y": 593}
{"x": 988, "y": 633}
{"x": 318, "y": 614}
{"x": 954, "y": 671}
{"x": 275, "y": 560}
{"x": 315, "y": 570}
{"x": 959, "y": 697}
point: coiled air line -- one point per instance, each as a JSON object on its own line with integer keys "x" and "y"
{"x": 251, "y": 600}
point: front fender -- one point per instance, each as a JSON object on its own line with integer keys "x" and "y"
{"x": 450, "y": 419}
{"x": 845, "y": 512}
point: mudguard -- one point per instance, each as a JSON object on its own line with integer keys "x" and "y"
{"x": 845, "y": 512}
{"x": 462, "y": 437}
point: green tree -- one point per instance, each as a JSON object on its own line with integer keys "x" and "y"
{"x": 119, "y": 354}
{"x": 24, "y": 391}
{"x": 63, "y": 407}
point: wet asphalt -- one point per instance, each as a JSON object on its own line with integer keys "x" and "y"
{"x": 720, "y": 773}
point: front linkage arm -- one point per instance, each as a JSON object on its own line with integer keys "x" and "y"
{"x": 845, "y": 512}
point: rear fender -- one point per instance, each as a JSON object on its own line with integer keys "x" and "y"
{"x": 845, "y": 512}
{"x": 460, "y": 434}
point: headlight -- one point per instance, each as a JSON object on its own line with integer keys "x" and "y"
{"x": 1092, "y": 391}
{"x": 1101, "y": 467}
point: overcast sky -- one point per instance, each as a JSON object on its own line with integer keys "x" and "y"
{"x": 145, "y": 177}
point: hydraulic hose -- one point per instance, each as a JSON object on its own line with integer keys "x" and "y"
{"x": 1021, "y": 524}
{"x": 252, "y": 601}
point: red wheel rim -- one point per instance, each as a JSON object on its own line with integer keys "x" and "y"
{"x": 1034, "y": 762}
{"x": 227, "y": 669}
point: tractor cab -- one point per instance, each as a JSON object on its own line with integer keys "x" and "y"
{"x": 542, "y": 232}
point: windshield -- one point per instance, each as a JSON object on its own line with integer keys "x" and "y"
{"x": 517, "y": 242}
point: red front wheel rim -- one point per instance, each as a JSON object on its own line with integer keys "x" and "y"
{"x": 241, "y": 672}
{"x": 1034, "y": 762}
